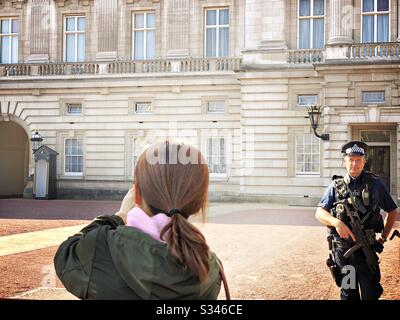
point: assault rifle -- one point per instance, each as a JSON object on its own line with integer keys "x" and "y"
{"x": 365, "y": 239}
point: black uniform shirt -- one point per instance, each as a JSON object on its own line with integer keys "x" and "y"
{"x": 379, "y": 194}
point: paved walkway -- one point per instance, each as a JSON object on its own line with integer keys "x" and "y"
{"x": 269, "y": 251}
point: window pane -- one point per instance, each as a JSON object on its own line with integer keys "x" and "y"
{"x": 139, "y": 49}
{"x": 211, "y": 17}
{"x": 373, "y": 96}
{"x": 318, "y": 7}
{"x": 211, "y": 40}
{"x": 305, "y": 8}
{"x": 5, "y": 26}
{"x": 14, "y": 50}
{"x": 15, "y": 26}
{"x": 70, "y": 25}
{"x": 367, "y": 29}
{"x": 223, "y": 42}
{"x": 375, "y": 136}
{"x": 224, "y": 16}
{"x": 139, "y": 20}
{"x": 81, "y": 47}
{"x": 304, "y": 34}
{"x": 150, "y": 45}
{"x": 81, "y": 24}
{"x": 368, "y": 5}
{"x": 70, "y": 49}
{"x": 151, "y": 20}
{"x": 5, "y": 50}
{"x": 305, "y": 100}
{"x": 67, "y": 164}
{"x": 383, "y": 28}
{"x": 80, "y": 164}
{"x": 318, "y": 33}
{"x": 383, "y": 5}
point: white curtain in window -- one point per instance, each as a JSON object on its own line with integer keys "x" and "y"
{"x": 211, "y": 40}
{"x": 150, "y": 44}
{"x": 305, "y": 8}
{"x": 318, "y": 33}
{"x": 223, "y": 42}
{"x": 368, "y": 29}
{"x": 304, "y": 34}
{"x": 383, "y": 28}
{"x": 70, "y": 52}
{"x": 5, "y": 49}
{"x": 81, "y": 48}
{"x": 368, "y": 5}
{"x": 318, "y": 7}
{"x": 139, "y": 41}
{"x": 14, "y": 50}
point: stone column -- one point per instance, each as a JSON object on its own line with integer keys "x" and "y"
{"x": 178, "y": 19}
{"x": 341, "y": 22}
{"x": 39, "y": 29}
{"x": 107, "y": 26}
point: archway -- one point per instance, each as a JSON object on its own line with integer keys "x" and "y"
{"x": 14, "y": 155}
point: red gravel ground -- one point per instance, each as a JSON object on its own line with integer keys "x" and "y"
{"x": 15, "y": 226}
{"x": 26, "y": 271}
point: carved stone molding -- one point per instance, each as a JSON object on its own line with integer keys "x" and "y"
{"x": 62, "y": 3}
{"x": 16, "y": 4}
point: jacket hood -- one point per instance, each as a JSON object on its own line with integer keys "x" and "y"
{"x": 152, "y": 272}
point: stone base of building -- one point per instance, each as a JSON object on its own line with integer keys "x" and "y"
{"x": 118, "y": 194}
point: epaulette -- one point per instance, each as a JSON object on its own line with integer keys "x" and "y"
{"x": 371, "y": 174}
{"x": 336, "y": 177}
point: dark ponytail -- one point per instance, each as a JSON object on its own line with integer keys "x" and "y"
{"x": 187, "y": 243}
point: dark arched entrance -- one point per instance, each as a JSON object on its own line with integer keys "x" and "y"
{"x": 14, "y": 155}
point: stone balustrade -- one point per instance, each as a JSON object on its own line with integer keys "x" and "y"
{"x": 385, "y": 50}
{"x": 121, "y": 67}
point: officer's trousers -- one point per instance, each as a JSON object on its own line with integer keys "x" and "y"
{"x": 367, "y": 286}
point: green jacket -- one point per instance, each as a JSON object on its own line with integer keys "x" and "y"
{"x": 108, "y": 260}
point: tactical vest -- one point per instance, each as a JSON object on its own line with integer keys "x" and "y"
{"x": 369, "y": 210}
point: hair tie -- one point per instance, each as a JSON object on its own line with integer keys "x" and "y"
{"x": 172, "y": 212}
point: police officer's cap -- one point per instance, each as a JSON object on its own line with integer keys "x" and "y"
{"x": 357, "y": 148}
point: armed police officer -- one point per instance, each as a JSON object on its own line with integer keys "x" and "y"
{"x": 351, "y": 208}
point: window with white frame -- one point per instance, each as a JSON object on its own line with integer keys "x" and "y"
{"x": 144, "y": 36}
{"x": 307, "y": 154}
{"x": 304, "y": 100}
{"x": 74, "y": 38}
{"x": 217, "y": 32}
{"x": 73, "y": 157}
{"x": 143, "y": 107}
{"x": 375, "y": 21}
{"x": 311, "y": 24}
{"x": 216, "y": 106}
{"x": 216, "y": 155}
{"x": 74, "y": 109}
{"x": 9, "y": 28}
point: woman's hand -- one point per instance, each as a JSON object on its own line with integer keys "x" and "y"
{"x": 128, "y": 203}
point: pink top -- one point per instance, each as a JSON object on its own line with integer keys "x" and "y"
{"x": 152, "y": 226}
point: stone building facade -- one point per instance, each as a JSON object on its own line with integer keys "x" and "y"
{"x": 102, "y": 79}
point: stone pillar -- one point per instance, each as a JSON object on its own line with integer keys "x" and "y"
{"x": 107, "y": 26}
{"x": 178, "y": 19}
{"x": 273, "y": 25}
{"x": 341, "y": 23}
{"x": 398, "y": 20}
{"x": 265, "y": 41}
{"x": 39, "y": 29}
